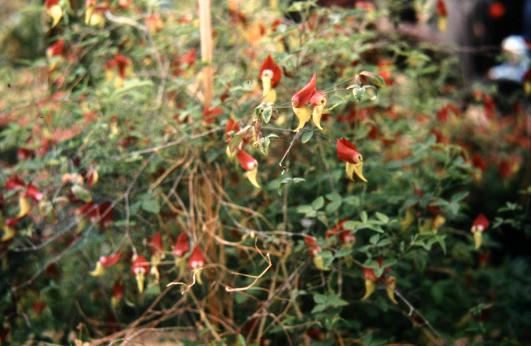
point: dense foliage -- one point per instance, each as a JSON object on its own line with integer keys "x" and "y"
{"x": 127, "y": 205}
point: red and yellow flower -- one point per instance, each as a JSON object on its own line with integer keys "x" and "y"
{"x": 346, "y": 151}
{"x": 54, "y": 10}
{"x": 140, "y": 267}
{"x": 480, "y": 225}
{"x": 105, "y": 262}
{"x": 250, "y": 165}
{"x": 270, "y": 75}
{"x": 306, "y": 96}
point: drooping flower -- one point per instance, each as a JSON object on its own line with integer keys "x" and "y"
{"x": 117, "y": 69}
{"x": 92, "y": 176}
{"x": 8, "y": 229}
{"x": 270, "y": 75}
{"x": 180, "y": 248}
{"x": 390, "y": 286}
{"x": 157, "y": 250}
{"x": 140, "y": 267}
{"x": 14, "y": 182}
{"x": 442, "y": 14}
{"x": 56, "y": 49}
{"x": 318, "y": 102}
{"x": 197, "y": 259}
{"x": 105, "y": 262}
{"x": 250, "y": 165}
{"x": 308, "y": 95}
{"x": 94, "y": 14}
{"x": 117, "y": 293}
{"x": 210, "y": 114}
{"x": 33, "y": 193}
{"x": 371, "y": 280}
{"x": 346, "y": 151}
{"x": 314, "y": 250}
{"x": 54, "y": 10}
{"x": 231, "y": 128}
{"x": 480, "y": 225}
{"x": 182, "y": 245}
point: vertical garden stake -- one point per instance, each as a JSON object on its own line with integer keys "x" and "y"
{"x": 205, "y": 29}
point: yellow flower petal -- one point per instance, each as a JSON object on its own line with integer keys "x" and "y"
{"x": 369, "y": 289}
{"x": 251, "y": 176}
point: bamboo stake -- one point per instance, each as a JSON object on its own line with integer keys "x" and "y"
{"x": 205, "y": 29}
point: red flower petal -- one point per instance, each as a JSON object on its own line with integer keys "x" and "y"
{"x": 247, "y": 162}
{"x": 312, "y": 244}
{"x": 14, "y": 182}
{"x": 56, "y": 49}
{"x": 369, "y": 274}
{"x": 302, "y": 97}
{"x": 182, "y": 245}
{"x": 118, "y": 290}
{"x": 140, "y": 265}
{"x": 346, "y": 151}
{"x": 481, "y": 223}
{"x": 109, "y": 261}
{"x": 232, "y": 126}
{"x": 269, "y": 64}
{"x": 441, "y": 8}
{"x": 50, "y": 3}
{"x": 197, "y": 259}
{"x": 33, "y": 193}
{"x": 156, "y": 243}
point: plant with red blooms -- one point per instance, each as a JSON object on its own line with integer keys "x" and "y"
{"x": 346, "y": 152}
{"x": 442, "y": 14}
{"x": 270, "y": 75}
{"x": 105, "y": 262}
{"x": 480, "y": 225}
{"x": 140, "y": 268}
{"x": 309, "y": 95}
{"x": 157, "y": 251}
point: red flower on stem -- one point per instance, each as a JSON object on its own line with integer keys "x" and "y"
{"x": 442, "y": 13}
{"x": 56, "y": 49}
{"x": 346, "y": 152}
{"x": 480, "y": 225}
{"x": 182, "y": 245}
{"x": 140, "y": 267}
{"x": 197, "y": 259}
{"x": 276, "y": 72}
{"x": 250, "y": 165}
{"x": 269, "y": 75}
{"x": 308, "y": 95}
{"x": 14, "y": 182}
{"x": 33, "y": 193}
{"x": 105, "y": 262}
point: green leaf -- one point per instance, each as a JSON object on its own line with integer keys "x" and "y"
{"x": 266, "y": 114}
{"x": 333, "y": 196}
{"x": 382, "y": 217}
{"x": 306, "y": 136}
{"x": 318, "y": 203}
{"x": 333, "y": 206}
{"x": 304, "y": 209}
{"x": 350, "y": 225}
{"x": 151, "y": 205}
{"x": 364, "y": 217}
